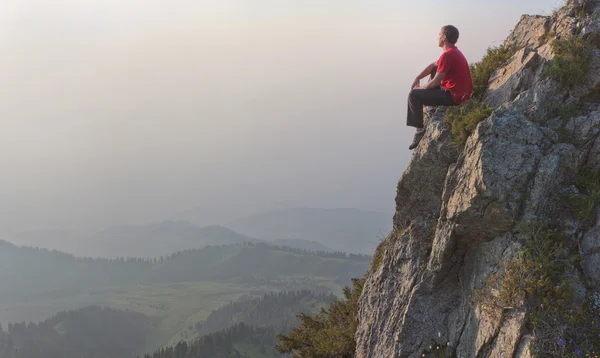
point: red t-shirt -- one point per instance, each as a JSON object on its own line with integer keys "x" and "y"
{"x": 457, "y": 78}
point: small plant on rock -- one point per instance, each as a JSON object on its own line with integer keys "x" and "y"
{"x": 481, "y": 71}
{"x": 572, "y": 57}
{"x": 583, "y": 197}
{"x": 463, "y": 119}
{"x": 530, "y": 276}
{"x": 585, "y": 7}
{"x": 380, "y": 251}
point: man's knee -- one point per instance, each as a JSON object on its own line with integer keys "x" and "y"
{"x": 413, "y": 94}
{"x": 413, "y": 99}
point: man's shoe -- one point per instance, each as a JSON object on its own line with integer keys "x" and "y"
{"x": 416, "y": 139}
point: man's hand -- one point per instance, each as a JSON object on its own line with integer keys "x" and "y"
{"x": 416, "y": 84}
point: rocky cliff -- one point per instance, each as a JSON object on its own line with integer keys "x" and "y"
{"x": 473, "y": 219}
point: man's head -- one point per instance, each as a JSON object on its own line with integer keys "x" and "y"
{"x": 449, "y": 35}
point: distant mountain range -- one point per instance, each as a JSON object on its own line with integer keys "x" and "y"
{"x": 153, "y": 240}
{"x": 160, "y": 239}
{"x": 347, "y": 230}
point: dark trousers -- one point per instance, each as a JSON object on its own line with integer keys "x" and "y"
{"x": 417, "y": 98}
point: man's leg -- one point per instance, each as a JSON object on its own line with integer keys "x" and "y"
{"x": 418, "y": 98}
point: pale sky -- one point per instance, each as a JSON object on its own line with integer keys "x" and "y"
{"x": 132, "y": 111}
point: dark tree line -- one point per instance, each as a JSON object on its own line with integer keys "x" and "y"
{"x": 266, "y": 246}
{"x": 153, "y": 261}
{"x": 223, "y": 344}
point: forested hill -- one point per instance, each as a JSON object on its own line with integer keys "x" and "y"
{"x": 246, "y": 328}
{"x": 91, "y": 332}
{"x": 30, "y": 271}
{"x": 95, "y": 332}
{"x": 277, "y": 310}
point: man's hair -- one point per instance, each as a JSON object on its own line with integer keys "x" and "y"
{"x": 451, "y": 33}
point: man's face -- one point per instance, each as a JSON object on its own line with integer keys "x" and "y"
{"x": 441, "y": 38}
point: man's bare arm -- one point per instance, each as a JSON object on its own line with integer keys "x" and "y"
{"x": 426, "y": 72}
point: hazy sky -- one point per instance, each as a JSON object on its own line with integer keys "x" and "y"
{"x": 130, "y": 111}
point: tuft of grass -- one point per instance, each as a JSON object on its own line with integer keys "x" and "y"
{"x": 380, "y": 251}
{"x": 584, "y": 198}
{"x": 571, "y": 110}
{"x": 463, "y": 119}
{"x": 535, "y": 281}
{"x": 571, "y": 62}
{"x": 481, "y": 71}
{"x": 528, "y": 278}
{"x": 585, "y": 8}
{"x": 547, "y": 36}
{"x": 565, "y": 136}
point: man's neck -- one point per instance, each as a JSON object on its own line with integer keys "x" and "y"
{"x": 448, "y": 46}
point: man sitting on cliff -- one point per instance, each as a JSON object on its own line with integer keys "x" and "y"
{"x": 450, "y": 82}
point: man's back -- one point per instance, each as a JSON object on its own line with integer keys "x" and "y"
{"x": 457, "y": 77}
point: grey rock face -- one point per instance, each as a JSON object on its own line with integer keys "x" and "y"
{"x": 554, "y": 168}
{"x": 519, "y": 73}
{"x": 433, "y": 265}
{"x": 490, "y": 184}
{"x": 458, "y": 209}
{"x": 435, "y": 150}
{"x": 585, "y": 128}
{"x": 564, "y": 24}
{"x": 531, "y": 31}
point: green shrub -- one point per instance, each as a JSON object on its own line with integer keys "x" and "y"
{"x": 584, "y": 198}
{"x": 569, "y": 111}
{"x": 330, "y": 333}
{"x": 481, "y": 71}
{"x": 572, "y": 57}
{"x": 536, "y": 282}
{"x": 530, "y": 276}
{"x": 463, "y": 119}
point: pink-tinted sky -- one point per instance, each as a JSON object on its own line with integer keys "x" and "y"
{"x": 118, "y": 112}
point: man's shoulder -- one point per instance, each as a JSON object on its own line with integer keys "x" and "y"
{"x": 457, "y": 52}
{"x": 456, "y": 55}
{"x": 444, "y": 55}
